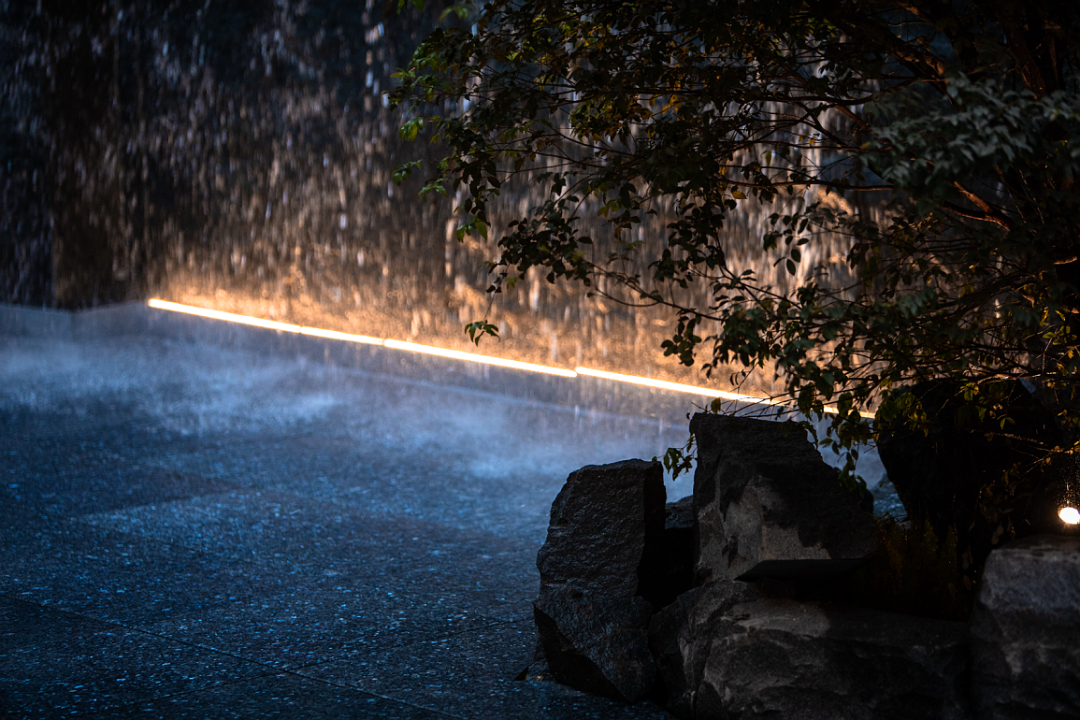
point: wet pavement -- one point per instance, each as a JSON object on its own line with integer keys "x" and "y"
{"x": 191, "y": 530}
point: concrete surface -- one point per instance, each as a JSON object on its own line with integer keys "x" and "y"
{"x": 189, "y": 530}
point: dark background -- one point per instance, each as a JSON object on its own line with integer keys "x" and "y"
{"x": 136, "y": 137}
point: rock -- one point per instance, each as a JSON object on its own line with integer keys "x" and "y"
{"x": 668, "y": 566}
{"x": 1025, "y": 629}
{"x": 679, "y": 515}
{"x": 806, "y": 660}
{"x": 941, "y": 474}
{"x": 537, "y": 670}
{"x": 725, "y": 654}
{"x": 767, "y": 505}
{"x": 675, "y": 634}
{"x": 590, "y": 615}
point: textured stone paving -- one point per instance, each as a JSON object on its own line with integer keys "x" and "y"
{"x": 192, "y": 531}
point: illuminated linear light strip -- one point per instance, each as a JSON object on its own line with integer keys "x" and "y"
{"x": 674, "y": 387}
{"x": 227, "y": 317}
{"x": 692, "y": 389}
{"x": 468, "y": 357}
{"x": 346, "y": 337}
{"x": 349, "y": 337}
{"x": 259, "y": 322}
{"x": 483, "y": 359}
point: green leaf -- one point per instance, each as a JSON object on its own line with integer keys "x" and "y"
{"x": 411, "y": 127}
{"x": 932, "y": 189}
{"x": 478, "y": 329}
{"x": 403, "y": 171}
{"x": 461, "y": 12}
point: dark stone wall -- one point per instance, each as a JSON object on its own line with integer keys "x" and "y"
{"x": 25, "y": 236}
{"x": 138, "y": 137}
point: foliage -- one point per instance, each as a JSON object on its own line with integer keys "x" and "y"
{"x": 914, "y": 572}
{"x": 939, "y": 140}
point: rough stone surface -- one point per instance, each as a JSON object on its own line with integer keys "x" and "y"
{"x": 537, "y": 670}
{"x": 940, "y": 474}
{"x": 725, "y": 653}
{"x": 1025, "y": 630}
{"x": 589, "y": 612}
{"x": 763, "y": 497}
{"x": 668, "y": 566}
{"x": 679, "y": 515}
{"x": 675, "y": 634}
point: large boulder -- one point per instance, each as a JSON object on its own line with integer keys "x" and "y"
{"x": 767, "y": 505}
{"x": 677, "y": 640}
{"x": 1025, "y": 629}
{"x": 941, "y": 473}
{"x": 725, "y": 653}
{"x": 590, "y": 613}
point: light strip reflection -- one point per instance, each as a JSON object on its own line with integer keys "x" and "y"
{"x": 468, "y": 357}
{"x": 335, "y": 335}
{"x": 268, "y": 324}
{"x": 227, "y": 317}
{"x": 675, "y": 387}
{"x": 694, "y": 389}
{"x": 483, "y": 359}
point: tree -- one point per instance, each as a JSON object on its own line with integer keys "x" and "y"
{"x": 937, "y": 140}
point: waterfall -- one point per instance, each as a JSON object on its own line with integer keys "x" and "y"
{"x": 239, "y": 156}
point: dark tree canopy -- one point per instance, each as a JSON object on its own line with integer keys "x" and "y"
{"x": 938, "y": 139}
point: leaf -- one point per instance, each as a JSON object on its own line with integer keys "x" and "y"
{"x": 479, "y": 328}
{"x": 403, "y": 171}
{"x": 411, "y": 127}
{"x": 653, "y": 124}
{"x": 461, "y": 12}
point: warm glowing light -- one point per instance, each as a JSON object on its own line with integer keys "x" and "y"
{"x": 690, "y": 389}
{"x": 335, "y": 335}
{"x": 483, "y": 359}
{"x": 227, "y": 317}
{"x": 674, "y": 387}
{"x": 1069, "y": 516}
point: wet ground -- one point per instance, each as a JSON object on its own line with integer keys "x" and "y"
{"x": 209, "y": 521}
{"x": 196, "y": 531}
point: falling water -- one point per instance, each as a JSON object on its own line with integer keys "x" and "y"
{"x": 239, "y": 156}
